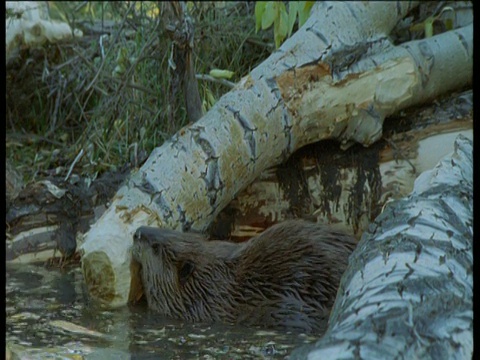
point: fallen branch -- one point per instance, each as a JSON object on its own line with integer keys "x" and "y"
{"x": 333, "y": 79}
{"x": 408, "y": 290}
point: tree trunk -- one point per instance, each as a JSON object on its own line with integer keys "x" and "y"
{"x": 347, "y": 189}
{"x": 338, "y": 77}
{"x": 408, "y": 290}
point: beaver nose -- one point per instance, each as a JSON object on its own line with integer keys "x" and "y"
{"x": 149, "y": 234}
{"x": 141, "y": 234}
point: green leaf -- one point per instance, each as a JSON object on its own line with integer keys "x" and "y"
{"x": 278, "y": 39}
{"x": 429, "y": 27}
{"x": 269, "y": 14}
{"x": 210, "y": 98}
{"x": 259, "y": 10}
{"x": 221, "y": 74}
{"x": 304, "y": 12}
{"x": 449, "y": 19}
{"x": 283, "y": 23}
{"x": 190, "y": 6}
{"x": 449, "y": 24}
{"x": 280, "y": 28}
{"x": 292, "y": 15}
{"x": 417, "y": 27}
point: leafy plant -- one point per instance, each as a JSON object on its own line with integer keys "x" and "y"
{"x": 427, "y": 25}
{"x": 268, "y": 13}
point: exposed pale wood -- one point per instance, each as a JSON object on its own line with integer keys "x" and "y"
{"x": 337, "y": 77}
{"x": 346, "y": 189}
{"x": 408, "y": 290}
{"x": 297, "y": 188}
{"x": 45, "y": 218}
{"x": 28, "y": 24}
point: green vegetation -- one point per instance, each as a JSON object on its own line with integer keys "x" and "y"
{"x": 108, "y": 95}
{"x": 275, "y": 12}
{"x": 445, "y": 22}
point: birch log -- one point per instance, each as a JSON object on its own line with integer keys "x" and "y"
{"x": 344, "y": 189}
{"x": 408, "y": 290}
{"x": 28, "y": 24}
{"x": 337, "y": 77}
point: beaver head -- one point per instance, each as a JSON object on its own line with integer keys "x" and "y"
{"x": 185, "y": 276}
{"x": 286, "y": 277}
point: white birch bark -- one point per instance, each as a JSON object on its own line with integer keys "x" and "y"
{"x": 345, "y": 189}
{"x": 330, "y": 191}
{"x": 337, "y": 77}
{"x": 28, "y": 24}
{"x": 408, "y": 290}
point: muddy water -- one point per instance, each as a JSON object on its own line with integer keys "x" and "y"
{"x": 46, "y": 308}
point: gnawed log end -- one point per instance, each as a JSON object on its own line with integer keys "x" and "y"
{"x": 100, "y": 278}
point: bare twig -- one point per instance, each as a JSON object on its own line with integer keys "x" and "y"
{"x": 77, "y": 158}
{"x": 110, "y": 49}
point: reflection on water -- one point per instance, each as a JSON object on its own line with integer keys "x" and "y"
{"x": 36, "y": 298}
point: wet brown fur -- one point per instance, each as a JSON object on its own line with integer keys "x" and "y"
{"x": 286, "y": 277}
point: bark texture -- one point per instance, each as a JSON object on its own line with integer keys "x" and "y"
{"x": 337, "y": 77}
{"x": 346, "y": 189}
{"x": 408, "y": 290}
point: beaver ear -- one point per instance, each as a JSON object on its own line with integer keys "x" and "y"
{"x": 185, "y": 269}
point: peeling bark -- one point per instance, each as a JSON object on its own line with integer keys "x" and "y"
{"x": 44, "y": 219}
{"x": 346, "y": 189}
{"x": 408, "y": 290}
{"x": 338, "y": 77}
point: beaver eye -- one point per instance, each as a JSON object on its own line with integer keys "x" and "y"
{"x": 156, "y": 248}
{"x": 185, "y": 270}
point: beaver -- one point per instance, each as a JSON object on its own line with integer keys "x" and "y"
{"x": 284, "y": 278}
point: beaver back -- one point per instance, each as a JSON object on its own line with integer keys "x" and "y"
{"x": 286, "y": 277}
